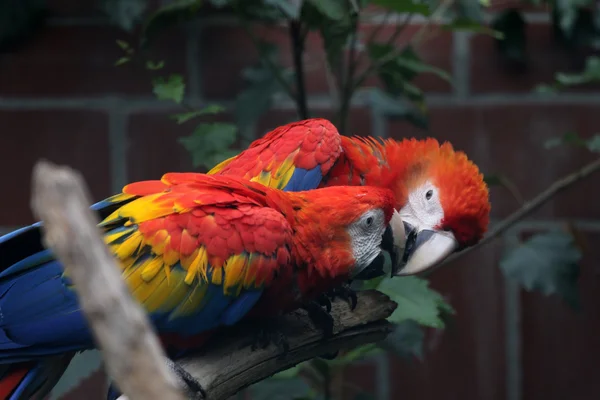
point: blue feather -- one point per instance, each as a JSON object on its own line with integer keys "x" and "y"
{"x": 303, "y": 179}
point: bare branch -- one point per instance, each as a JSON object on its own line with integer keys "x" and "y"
{"x": 531, "y": 206}
{"x": 131, "y": 351}
{"x": 228, "y": 364}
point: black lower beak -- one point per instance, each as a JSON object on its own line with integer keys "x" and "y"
{"x": 376, "y": 268}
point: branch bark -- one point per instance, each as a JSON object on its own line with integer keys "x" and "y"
{"x": 228, "y": 364}
{"x": 130, "y": 349}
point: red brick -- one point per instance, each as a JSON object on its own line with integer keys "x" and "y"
{"x": 561, "y": 347}
{"x": 154, "y": 148}
{"x": 74, "y": 138}
{"x": 510, "y": 140}
{"x": 359, "y": 121}
{"x": 79, "y": 61}
{"x": 466, "y": 359}
{"x": 230, "y": 50}
{"x": 545, "y": 57}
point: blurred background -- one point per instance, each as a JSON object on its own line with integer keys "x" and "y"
{"x": 125, "y": 90}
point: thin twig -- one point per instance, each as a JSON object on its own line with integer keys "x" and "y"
{"x": 131, "y": 351}
{"x": 298, "y": 52}
{"x": 531, "y": 206}
{"x": 347, "y": 91}
{"x": 415, "y": 40}
{"x": 275, "y": 70}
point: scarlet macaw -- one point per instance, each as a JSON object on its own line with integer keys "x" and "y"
{"x": 440, "y": 194}
{"x": 198, "y": 252}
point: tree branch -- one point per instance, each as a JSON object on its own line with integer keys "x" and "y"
{"x": 298, "y": 52}
{"x": 530, "y": 207}
{"x": 131, "y": 351}
{"x": 228, "y": 364}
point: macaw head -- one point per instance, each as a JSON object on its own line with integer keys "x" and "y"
{"x": 344, "y": 229}
{"x": 445, "y": 204}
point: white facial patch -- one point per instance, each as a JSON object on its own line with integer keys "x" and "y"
{"x": 366, "y": 236}
{"x": 423, "y": 208}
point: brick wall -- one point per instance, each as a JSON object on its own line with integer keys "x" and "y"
{"x": 61, "y": 98}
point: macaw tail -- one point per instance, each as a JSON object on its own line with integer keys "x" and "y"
{"x": 32, "y": 380}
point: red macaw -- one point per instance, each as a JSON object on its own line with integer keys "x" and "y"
{"x": 440, "y": 194}
{"x": 198, "y": 252}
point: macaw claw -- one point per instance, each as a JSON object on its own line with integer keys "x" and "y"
{"x": 345, "y": 292}
{"x": 193, "y": 389}
{"x": 320, "y": 317}
{"x": 270, "y": 334}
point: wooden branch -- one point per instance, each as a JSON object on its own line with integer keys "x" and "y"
{"x": 228, "y": 364}
{"x": 131, "y": 351}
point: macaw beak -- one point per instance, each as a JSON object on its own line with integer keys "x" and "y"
{"x": 424, "y": 249}
{"x": 392, "y": 242}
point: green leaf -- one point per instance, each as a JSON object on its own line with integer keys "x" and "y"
{"x": 512, "y": 26}
{"x": 590, "y": 74}
{"x": 280, "y": 389}
{"x": 593, "y": 144}
{"x": 411, "y": 62}
{"x": 172, "y": 88}
{"x": 125, "y": 13}
{"x": 570, "y": 138}
{"x": 210, "y": 143}
{"x": 406, "y": 340}
{"x": 399, "y": 108}
{"x": 468, "y": 25}
{"x": 122, "y": 44}
{"x": 209, "y": 110}
{"x": 492, "y": 179}
{"x": 416, "y": 301}
{"x": 547, "y": 262}
{"x": 251, "y": 103}
{"x": 166, "y": 16}
{"x": 404, "y": 6}
{"x": 122, "y": 60}
{"x": 155, "y": 66}
{"x": 332, "y": 9}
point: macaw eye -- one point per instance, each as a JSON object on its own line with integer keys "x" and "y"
{"x": 369, "y": 221}
{"x": 429, "y": 194}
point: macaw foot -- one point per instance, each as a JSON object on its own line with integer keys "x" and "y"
{"x": 345, "y": 292}
{"x": 192, "y": 388}
{"x": 320, "y": 317}
{"x": 269, "y": 333}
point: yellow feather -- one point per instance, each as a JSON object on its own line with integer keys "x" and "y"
{"x": 151, "y": 268}
{"x": 197, "y": 267}
{"x": 130, "y": 245}
{"x": 219, "y": 167}
{"x": 168, "y": 296}
{"x": 114, "y": 236}
{"x": 250, "y": 277}
{"x": 193, "y": 303}
{"x": 234, "y": 273}
{"x": 171, "y": 256}
{"x": 217, "y": 276}
{"x": 186, "y": 261}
